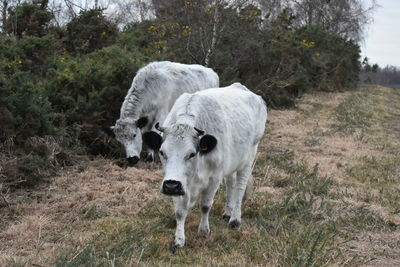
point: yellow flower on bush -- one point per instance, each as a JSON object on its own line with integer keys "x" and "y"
{"x": 308, "y": 44}
{"x": 317, "y": 54}
{"x": 185, "y": 30}
{"x": 153, "y": 28}
{"x": 19, "y": 61}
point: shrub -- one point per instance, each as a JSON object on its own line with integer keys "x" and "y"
{"x": 90, "y": 31}
{"x": 26, "y": 111}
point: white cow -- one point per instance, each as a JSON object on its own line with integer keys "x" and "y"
{"x": 209, "y": 135}
{"x": 151, "y": 96}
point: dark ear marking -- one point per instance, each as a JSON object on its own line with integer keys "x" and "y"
{"x": 109, "y": 131}
{"x": 207, "y": 143}
{"x": 141, "y": 122}
{"x": 153, "y": 140}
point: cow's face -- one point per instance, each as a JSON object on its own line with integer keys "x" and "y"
{"x": 128, "y": 133}
{"x": 179, "y": 151}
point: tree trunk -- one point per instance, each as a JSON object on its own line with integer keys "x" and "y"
{"x": 4, "y": 14}
{"x": 214, "y": 36}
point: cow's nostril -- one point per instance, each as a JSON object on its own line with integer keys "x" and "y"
{"x": 171, "y": 184}
{"x": 133, "y": 160}
{"x": 171, "y": 187}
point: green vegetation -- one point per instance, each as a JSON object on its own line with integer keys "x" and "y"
{"x": 371, "y": 114}
{"x": 354, "y": 114}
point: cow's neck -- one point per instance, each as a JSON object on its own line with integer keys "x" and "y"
{"x": 132, "y": 105}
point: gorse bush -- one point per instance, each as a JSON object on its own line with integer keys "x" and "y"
{"x": 89, "y": 31}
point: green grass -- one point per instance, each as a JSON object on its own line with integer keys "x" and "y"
{"x": 354, "y": 113}
{"x": 374, "y": 111}
{"x": 382, "y": 175}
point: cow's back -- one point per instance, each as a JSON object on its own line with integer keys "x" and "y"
{"x": 158, "y": 84}
{"x": 161, "y": 83}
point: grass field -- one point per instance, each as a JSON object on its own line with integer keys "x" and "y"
{"x": 327, "y": 192}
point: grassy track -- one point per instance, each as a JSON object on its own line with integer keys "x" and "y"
{"x": 327, "y": 192}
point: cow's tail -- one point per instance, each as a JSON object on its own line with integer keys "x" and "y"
{"x": 249, "y": 188}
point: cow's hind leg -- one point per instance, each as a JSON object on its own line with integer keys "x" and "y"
{"x": 230, "y": 181}
{"x": 206, "y": 201}
{"x": 239, "y": 189}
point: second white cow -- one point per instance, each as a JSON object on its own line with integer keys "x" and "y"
{"x": 209, "y": 135}
{"x": 151, "y": 96}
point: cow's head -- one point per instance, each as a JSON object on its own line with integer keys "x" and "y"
{"x": 128, "y": 133}
{"x": 180, "y": 149}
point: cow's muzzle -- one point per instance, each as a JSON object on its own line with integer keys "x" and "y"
{"x": 172, "y": 188}
{"x": 133, "y": 160}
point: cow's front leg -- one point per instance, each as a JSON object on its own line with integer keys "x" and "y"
{"x": 230, "y": 181}
{"x": 242, "y": 177}
{"x": 181, "y": 211}
{"x": 206, "y": 201}
{"x": 149, "y": 156}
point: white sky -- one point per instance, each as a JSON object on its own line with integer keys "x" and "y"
{"x": 382, "y": 43}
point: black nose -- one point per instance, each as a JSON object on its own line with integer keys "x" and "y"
{"x": 172, "y": 188}
{"x": 133, "y": 160}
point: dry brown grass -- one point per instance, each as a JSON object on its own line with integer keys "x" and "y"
{"x": 41, "y": 222}
{"x": 37, "y": 227}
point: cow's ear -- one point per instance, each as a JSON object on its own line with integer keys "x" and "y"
{"x": 207, "y": 144}
{"x": 141, "y": 122}
{"x": 109, "y": 130}
{"x": 153, "y": 140}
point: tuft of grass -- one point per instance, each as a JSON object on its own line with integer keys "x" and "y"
{"x": 362, "y": 219}
{"x": 382, "y": 175}
{"x": 374, "y": 170}
{"x": 312, "y": 141}
{"x": 353, "y": 114}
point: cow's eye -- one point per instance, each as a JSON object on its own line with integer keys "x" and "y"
{"x": 191, "y": 155}
{"x": 134, "y": 135}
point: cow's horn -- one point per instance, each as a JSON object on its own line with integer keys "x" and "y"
{"x": 159, "y": 128}
{"x": 200, "y": 132}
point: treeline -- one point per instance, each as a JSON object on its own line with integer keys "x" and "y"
{"x": 374, "y": 74}
{"x": 59, "y": 83}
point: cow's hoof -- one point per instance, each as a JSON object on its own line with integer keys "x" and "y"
{"x": 234, "y": 224}
{"x": 226, "y": 218}
{"x": 149, "y": 158}
{"x": 175, "y": 246}
{"x": 204, "y": 231}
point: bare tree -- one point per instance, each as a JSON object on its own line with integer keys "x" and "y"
{"x": 5, "y": 5}
{"x": 124, "y": 12}
{"x": 348, "y": 18}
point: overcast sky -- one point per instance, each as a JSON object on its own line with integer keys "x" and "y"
{"x": 382, "y": 44}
